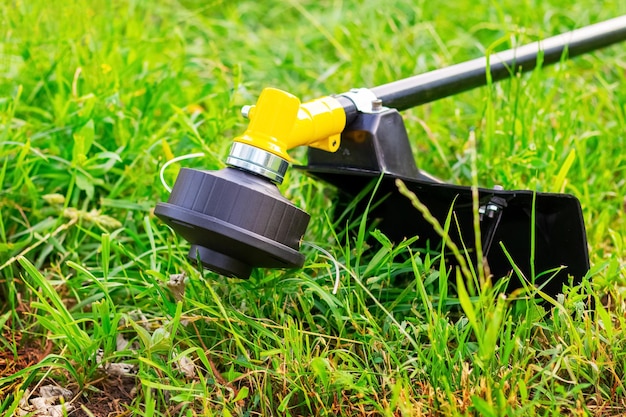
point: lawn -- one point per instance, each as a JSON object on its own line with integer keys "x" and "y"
{"x": 101, "y": 312}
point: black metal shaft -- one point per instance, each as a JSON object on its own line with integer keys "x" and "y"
{"x": 431, "y": 86}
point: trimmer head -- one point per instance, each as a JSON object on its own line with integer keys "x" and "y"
{"x": 235, "y": 221}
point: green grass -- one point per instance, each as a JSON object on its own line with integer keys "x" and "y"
{"x": 96, "y": 96}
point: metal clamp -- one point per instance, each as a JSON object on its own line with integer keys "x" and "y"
{"x": 364, "y": 100}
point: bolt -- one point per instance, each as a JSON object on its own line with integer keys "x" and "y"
{"x": 377, "y": 105}
{"x": 492, "y": 209}
{"x": 245, "y": 111}
{"x": 498, "y": 187}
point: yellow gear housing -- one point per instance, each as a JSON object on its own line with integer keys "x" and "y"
{"x": 279, "y": 122}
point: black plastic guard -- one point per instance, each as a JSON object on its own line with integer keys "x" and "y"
{"x": 560, "y": 243}
{"x": 377, "y": 144}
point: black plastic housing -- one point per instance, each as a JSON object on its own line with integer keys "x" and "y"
{"x": 235, "y": 221}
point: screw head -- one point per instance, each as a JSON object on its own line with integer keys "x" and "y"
{"x": 377, "y": 105}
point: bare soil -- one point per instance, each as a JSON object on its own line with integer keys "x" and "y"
{"x": 105, "y": 397}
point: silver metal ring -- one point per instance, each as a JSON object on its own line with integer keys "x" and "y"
{"x": 258, "y": 161}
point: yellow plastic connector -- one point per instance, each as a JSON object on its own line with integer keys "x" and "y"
{"x": 279, "y": 122}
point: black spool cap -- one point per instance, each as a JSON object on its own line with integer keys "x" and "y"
{"x": 235, "y": 221}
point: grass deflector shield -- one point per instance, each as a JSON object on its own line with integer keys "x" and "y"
{"x": 236, "y": 219}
